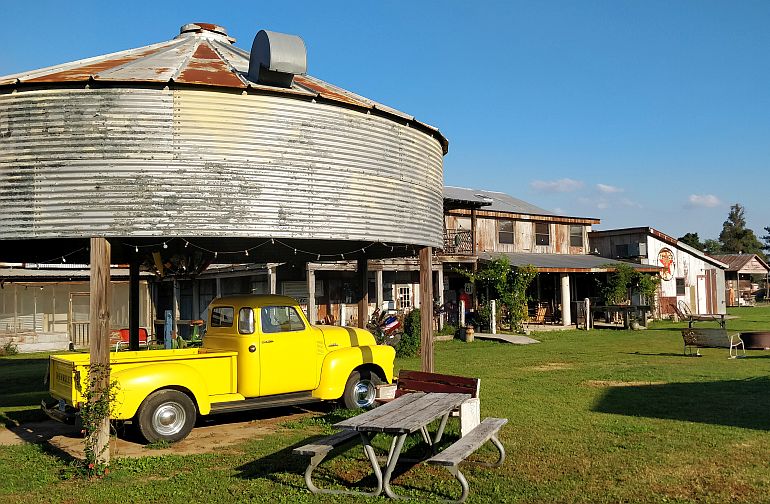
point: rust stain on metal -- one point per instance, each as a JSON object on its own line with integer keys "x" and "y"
{"x": 206, "y": 67}
{"x": 325, "y": 92}
{"x": 85, "y": 72}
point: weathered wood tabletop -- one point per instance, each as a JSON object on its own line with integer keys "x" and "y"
{"x": 409, "y": 413}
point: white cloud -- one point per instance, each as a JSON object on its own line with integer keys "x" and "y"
{"x": 703, "y": 201}
{"x": 608, "y": 189}
{"x": 561, "y": 185}
{"x": 630, "y": 203}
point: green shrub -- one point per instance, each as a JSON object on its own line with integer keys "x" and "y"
{"x": 447, "y": 330}
{"x": 9, "y": 348}
{"x": 409, "y": 344}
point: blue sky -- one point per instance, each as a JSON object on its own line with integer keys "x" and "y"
{"x": 644, "y": 113}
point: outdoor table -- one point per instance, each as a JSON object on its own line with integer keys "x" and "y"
{"x": 639, "y": 311}
{"x": 407, "y": 414}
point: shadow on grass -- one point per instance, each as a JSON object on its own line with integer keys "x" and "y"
{"x": 734, "y": 403}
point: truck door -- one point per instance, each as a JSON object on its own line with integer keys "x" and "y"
{"x": 224, "y": 334}
{"x": 287, "y": 351}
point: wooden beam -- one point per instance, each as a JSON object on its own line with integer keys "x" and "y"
{"x": 99, "y": 336}
{"x": 426, "y": 309}
{"x": 133, "y": 305}
{"x": 474, "y": 237}
{"x": 312, "y": 315}
{"x": 363, "y": 302}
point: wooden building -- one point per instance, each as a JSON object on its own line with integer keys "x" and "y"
{"x": 687, "y": 276}
{"x": 745, "y": 278}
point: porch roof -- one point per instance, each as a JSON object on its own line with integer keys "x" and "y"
{"x": 566, "y": 263}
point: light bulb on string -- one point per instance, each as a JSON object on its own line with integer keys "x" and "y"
{"x": 136, "y": 249}
{"x": 63, "y": 259}
{"x": 272, "y": 241}
{"x": 186, "y": 243}
{"x": 318, "y": 258}
{"x": 165, "y": 245}
{"x": 295, "y": 251}
{"x": 215, "y": 255}
{"x": 246, "y": 252}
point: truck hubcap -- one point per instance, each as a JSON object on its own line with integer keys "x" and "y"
{"x": 168, "y": 419}
{"x": 364, "y": 393}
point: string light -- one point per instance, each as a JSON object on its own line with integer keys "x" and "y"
{"x": 246, "y": 252}
{"x": 272, "y": 240}
{"x": 136, "y": 249}
{"x": 215, "y": 255}
{"x": 165, "y": 245}
{"x": 295, "y": 251}
{"x": 63, "y": 259}
{"x": 318, "y": 258}
{"x": 186, "y": 243}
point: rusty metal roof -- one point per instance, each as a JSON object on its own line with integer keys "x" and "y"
{"x": 736, "y": 262}
{"x": 201, "y": 55}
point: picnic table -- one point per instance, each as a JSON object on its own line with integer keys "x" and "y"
{"x": 403, "y": 416}
{"x": 628, "y": 312}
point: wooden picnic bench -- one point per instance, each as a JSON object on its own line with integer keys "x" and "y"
{"x": 320, "y": 448}
{"x": 407, "y": 414}
{"x": 421, "y": 381}
{"x": 712, "y": 338}
{"x": 466, "y": 446}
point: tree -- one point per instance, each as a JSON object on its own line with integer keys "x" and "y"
{"x": 736, "y": 237}
{"x": 766, "y": 239}
{"x": 712, "y": 247}
{"x": 692, "y": 239}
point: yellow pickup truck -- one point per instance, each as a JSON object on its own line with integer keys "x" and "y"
{"x": 258, "y": 352}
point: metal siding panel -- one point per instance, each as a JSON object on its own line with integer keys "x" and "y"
{"x": 128, "y": 162}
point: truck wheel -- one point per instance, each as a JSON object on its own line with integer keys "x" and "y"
{"x": 166, "y": 415}
{"x": 360, "y": 390}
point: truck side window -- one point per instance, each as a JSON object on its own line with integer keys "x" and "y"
{"x": 280, "y": 319}
{"x": 222, "y": 316}
{"x": 246, "y": 321}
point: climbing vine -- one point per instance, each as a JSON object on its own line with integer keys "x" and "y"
{"x": 510, "y": 284}
{"x": 624, "y": 280}
{"x": 98, "y": 406}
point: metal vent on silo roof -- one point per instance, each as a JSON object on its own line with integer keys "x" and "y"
{"x": 276, "y": 58}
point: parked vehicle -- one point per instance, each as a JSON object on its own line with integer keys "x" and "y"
{"x": 258, "y": 352}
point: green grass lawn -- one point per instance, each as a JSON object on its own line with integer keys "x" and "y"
{"x": 598, "y": 416}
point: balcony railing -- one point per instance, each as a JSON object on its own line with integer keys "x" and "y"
{"x": 458, "y": 242}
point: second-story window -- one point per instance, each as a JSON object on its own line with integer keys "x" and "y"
{"x": 576, "y": 236}
{"x": 542, "y": 233}
{"x": 505, "y": 231}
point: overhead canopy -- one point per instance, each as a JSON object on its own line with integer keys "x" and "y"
{"x": 566, "y": 263}
{"x": 747, "y": 264}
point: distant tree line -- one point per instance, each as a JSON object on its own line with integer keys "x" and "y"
{"x": 735, "y": 237}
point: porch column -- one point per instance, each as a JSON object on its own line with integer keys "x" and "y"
{"x": 566, "y": 315}
{"x": 379, "y": 288}
{"x": 473, "y": 231}
{"x": 175, "y": 308}
{"x": 99, "y": 339}
{"x": 441, "y": 301}
{"x": 426, "y": 309}
{"x": 133, "y": 305}
{"x": 271, "y": 279}
{"x": 311, "y": 308}
{"x": 363, "y": 302}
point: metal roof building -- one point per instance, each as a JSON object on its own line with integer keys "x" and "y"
{"x": 193, "y": 139}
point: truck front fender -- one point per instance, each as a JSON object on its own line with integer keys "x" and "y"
{"x": 338, "y": 365}
{"x": 135, "y": 384}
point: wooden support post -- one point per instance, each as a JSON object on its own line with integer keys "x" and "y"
{"x": 474, "y": 241}
{"x": 133, "y": 305}
{"x": 426, "y": 309}
{"x": 378, "y": 288}
{"x": 175, "y": 309}
{"x": 363, "y": 302}
{"x": 99, "y": 343}
{"x": 312, "y": 316}
{"x": 493, "y": 321}
{"x": 271, "y": 278}
{"x": 566, "y": 316}
{"x": 441, "y": 301}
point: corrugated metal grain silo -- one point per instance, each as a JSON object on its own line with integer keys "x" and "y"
{"x": 198, "y": 139}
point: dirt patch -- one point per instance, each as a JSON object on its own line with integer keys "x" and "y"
{"x": 613, "y": 383}
{"x": 552, "y": 366}
{"x": 216, "y": 434}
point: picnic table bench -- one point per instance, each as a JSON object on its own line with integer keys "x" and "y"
{"x": 712, "y": 338}
{"x": 407, "y": 414}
